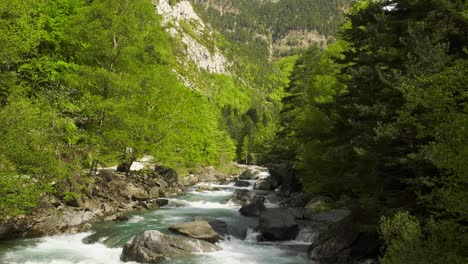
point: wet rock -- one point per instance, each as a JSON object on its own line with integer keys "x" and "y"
{"x": 253, "y": 207}
{"x": 278, "y": 224}
{"x": 242, "y": 184}
{"x": 218, "y": 225}
{"x": 243, "y": 195}
{"x": 198, "y": 230}
{"x": 263, "y": 184}
{"x": 162, "y": 202}
{"x": 121, "y": 218}
{"x": 153, "y": 246}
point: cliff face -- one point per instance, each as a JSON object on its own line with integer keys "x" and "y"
{"x": 184, "y": 25}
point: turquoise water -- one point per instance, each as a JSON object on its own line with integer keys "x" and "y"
{"x": 103, "y": 244}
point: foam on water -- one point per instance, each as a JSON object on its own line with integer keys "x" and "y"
{"x": 136, "y": 219}
{"x": 202, "y": 204}
{"x": 63, "y": 249}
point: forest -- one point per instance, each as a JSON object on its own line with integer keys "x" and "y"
{"x": 379, "y": 116}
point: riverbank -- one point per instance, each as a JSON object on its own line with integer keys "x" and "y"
{"x": 113, "y": 195}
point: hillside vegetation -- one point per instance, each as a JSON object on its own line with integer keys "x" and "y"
{"x": 381, "y": 116}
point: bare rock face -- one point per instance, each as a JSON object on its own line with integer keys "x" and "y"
{"x": 153, "y": 246}
{"x": 197, "y": 229}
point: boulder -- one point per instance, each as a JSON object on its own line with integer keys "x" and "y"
{"x": 248, "y": 174}
{"x": 244, "y": 195}
{"x": 286, "y": 178}
{"x": 263, "y": 184}
{"x": 162, "y": 202}
{"x": 295, "y": 201}
{"x": 253, "y": 207}
{"x": 333, "y": 246}
{"x": 153, "y": 246}
{"x": 278, "y": 224}
{"x": 191, "y": 180}
{"x": 209, "y": 174}
{"x": 242, "y": 184}
{"x": 317, "y": 205}
{"x": 333, "y": 216}
{"x": 342, "y": 242}
{"x": 218, "y": 225}
{"x": 197, "y": 229}
{"x": 203, "y": 188}
{"x": 169, "y": 175}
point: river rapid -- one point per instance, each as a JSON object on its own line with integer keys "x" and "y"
{"x": 103, "y": 244}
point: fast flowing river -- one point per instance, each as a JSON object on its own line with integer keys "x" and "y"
{"x": 103, "y": 245}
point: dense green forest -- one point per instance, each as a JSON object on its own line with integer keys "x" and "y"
{"x": 88, "y": 83}
{"x": 382, "y": 116}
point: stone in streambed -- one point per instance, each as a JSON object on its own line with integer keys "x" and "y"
{"x": 278, "y": 224}
{"x": 242, "y": 184}
{"x": 253, "y": 207}
{"x": 244, "y": 195}
{"x": 197, "y": 229}
{"x": 218, "y": 225}
{"x": 153, "y": 247}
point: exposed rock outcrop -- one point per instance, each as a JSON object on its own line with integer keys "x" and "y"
{"x": 112, "y": 194}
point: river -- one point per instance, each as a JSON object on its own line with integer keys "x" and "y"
{"x": 103, "y": 244}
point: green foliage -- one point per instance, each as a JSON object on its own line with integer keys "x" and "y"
{"x": 409, "y": 241}
{"x": 89, "y": 83}
{"x": 382, "y": 116}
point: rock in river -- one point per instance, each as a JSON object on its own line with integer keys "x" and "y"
{"x": 197, "y": 229}
{"x": 153, "y": 246}
{"x": 242, "y": 184}
{"x": 253, "y": 207}
{"x": 278, "y": 224}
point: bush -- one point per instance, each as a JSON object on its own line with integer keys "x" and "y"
{"x": 409, "y": 241}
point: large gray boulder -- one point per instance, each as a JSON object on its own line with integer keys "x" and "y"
{"x": 278, "y": 224}
{"x": 153, "y": 246}
{"x": 197, "y": 229}
{"x": 218, "y": 225}
{"x": 342, "y": 242}
{"x": 253, "y": 207}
